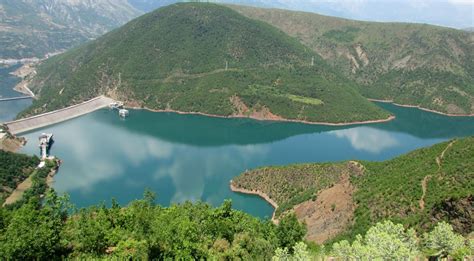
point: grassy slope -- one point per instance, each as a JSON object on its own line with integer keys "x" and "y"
{"x": 410, "y": 63}
{"x": 174, "y": 58}
{"x": 387, "y": 190}
{"x": 14, "y": 168}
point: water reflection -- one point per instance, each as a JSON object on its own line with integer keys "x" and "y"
{"x": 367, "y": 139}
{"x": 189, "y": 157}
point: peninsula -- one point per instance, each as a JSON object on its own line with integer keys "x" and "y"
{"x": 341, "y": 200}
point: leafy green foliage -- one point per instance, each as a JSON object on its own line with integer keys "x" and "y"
{"x": 384, "y": 241}
{"x": 290, "y": 231}
{"x": 196, "y": 57}
{"x": 443, "y": 242}
{"x": 300, "y": 253}
{"x": 33, "y": 233}
{"x": 389, "y": 241}
{"x": 142, "y": 230}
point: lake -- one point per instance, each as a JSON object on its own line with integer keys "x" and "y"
{"x": 9, "y": 109}
{"x": 191, "y": 157}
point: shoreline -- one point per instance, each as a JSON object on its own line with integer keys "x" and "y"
{"x": 26, "y": 72}
{"x": 257, "y": 193}
{"x": 391, "y": 117}
{"x": 421, "y": 108}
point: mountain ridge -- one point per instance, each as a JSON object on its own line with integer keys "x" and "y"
{"x": 414, "y": 64}
{"x": 203, "y": 58}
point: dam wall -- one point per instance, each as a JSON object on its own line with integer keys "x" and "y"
{"x": 45, "y": 119}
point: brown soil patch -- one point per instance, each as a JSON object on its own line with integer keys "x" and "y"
{"x": 11, "y": 144}
{"x": 18, "y": 192}
{"x": 330, "y": 214}
{"x": 258, "y": 112}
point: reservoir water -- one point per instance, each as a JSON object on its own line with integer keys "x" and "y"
{"x": 9, "y": 109}
{"x": 191, "y": 157}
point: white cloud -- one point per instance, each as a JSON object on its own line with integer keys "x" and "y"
{"x": 367, "y": 139}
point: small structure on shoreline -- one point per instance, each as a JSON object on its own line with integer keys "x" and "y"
{"x": 45, "y": 143}
{"x": 2, "y": 133}
{"x": 123, "y": 113}
{"x": 116, "y": 105}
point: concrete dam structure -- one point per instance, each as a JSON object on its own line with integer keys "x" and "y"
{"x": 45, "y": 119}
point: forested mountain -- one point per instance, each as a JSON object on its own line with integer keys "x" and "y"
{"x": 341, "y": 200}
{"x": 421, "y": 65}
{"x": 33, "y": 28}
{"x": 199, "y": 57}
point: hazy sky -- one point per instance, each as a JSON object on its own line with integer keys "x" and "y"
{"x": 452, "y": 13}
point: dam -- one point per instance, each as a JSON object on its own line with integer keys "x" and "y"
{"x": 16, "y": 98}
{"x": 45, "y": 119}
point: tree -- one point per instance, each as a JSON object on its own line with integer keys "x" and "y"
{"x": 383, "y": 241}
{"x": 131, "y": 249}
{"x": 442, "y": 241}
{"x": 149, "y": 196}
{"x": 31, "y": 234}
{"x": 290, "y": 231}
{"x": 300, "y": 253}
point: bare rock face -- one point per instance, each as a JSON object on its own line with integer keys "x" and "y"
{"x": 330, "y": 214}
{"x": 460, "y": 212}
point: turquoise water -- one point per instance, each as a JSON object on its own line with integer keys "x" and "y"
{"x": 9, "y": 109}
{"x": 190, "y": 157}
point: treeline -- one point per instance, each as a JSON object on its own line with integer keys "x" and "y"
{"x": 54, "y": 229}
{"x": 14, "y": 168}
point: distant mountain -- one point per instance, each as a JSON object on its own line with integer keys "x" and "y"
{"x": 451, "y": 13}
{"x": 469, "y": 29}
{"x": 33, "y": 28}
{"x": 420, "y": 65}
{"x": 207, "y": 58}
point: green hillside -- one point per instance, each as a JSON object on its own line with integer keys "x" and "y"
{"x": 175, "y": 58}
{"x": 423, "y": 65}
{"x": 417, "y": 189}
